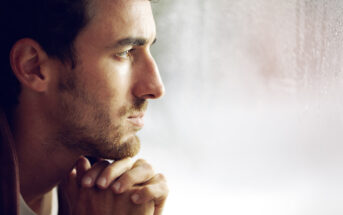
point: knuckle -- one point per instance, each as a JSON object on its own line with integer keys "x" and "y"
{"x": 140, "y": 161}
{"x": 161, "y": 177}
{"x": 112, "y": 167}
{"x": 147, "y": 191}
{"x": 148, "y": 166}
{"x": 144, "y": 164}
{"x": 165, "y": 188}
{"x": 101, "y": 165}
{"x": 126, "y": 178}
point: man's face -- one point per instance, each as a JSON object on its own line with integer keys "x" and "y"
{"x": 102, "y": 101}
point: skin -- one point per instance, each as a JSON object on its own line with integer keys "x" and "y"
{"x": 151, "y": 195}
{"x": 67, "y": 113}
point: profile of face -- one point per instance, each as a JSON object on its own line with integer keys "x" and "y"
{"x": 101, "y": 102}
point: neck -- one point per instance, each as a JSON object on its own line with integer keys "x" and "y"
{"x": 43, "y": 162}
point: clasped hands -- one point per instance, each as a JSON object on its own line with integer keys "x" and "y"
{"x": 120, "y": 188}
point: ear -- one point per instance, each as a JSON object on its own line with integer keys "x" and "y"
{"x": 28, "y": 61}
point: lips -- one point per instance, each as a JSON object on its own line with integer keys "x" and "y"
{"x": 137, "y": 119}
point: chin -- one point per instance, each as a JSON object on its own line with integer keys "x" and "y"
{"x": 129, "y": 147}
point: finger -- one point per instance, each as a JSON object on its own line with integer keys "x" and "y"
{"x": 153, "y": 193}
{"x": 113, "y": 171}
{"x": 139, "y": 174}
{"x": 69, "y": 181}
{"x": 143, "y": 209}
{"x": 159, "y": 209}
{"x": 156, "y": 189}
{"x": 68, "y": 186}
{"x": 82, "y": 166}
{"x": 91, "y": 175}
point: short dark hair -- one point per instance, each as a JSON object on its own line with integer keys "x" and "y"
{"x": 54, "y": 24}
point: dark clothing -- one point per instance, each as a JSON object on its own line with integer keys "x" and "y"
{"x": 9, "y": 173}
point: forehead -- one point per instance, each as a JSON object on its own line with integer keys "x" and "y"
{"x": 121, "y": 18}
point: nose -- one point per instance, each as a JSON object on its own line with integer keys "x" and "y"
{"x": 147, "y": 80}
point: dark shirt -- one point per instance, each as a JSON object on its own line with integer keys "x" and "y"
{"x": 9, "y": 176}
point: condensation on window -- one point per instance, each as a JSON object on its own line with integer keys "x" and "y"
{"x": 252, "y": 117}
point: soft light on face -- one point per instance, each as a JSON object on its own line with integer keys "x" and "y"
{"x": 103, "y": 100}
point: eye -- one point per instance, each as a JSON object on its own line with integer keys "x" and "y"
{"x": 124, "y": 54}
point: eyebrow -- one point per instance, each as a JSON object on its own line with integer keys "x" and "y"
{"x": 130, "y": 41}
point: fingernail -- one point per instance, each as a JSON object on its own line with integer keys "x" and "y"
{"x": 117, "y": 187}
{"x": 87, "y": 181}
{"x": 102, "y": 182}
{"x": 135, "y": 198}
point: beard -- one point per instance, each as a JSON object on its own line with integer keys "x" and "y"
{"x": 85, "y": 125}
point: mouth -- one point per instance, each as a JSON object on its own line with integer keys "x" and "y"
{"x": 137, "y": 120}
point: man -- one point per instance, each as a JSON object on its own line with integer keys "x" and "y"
{"x": 75, "y": 79}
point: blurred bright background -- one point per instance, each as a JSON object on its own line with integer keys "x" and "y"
{"x": 252, "y": 119}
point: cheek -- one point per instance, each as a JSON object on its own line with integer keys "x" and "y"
{"x": 105, "y": 78}
{"x": 117, "y": 77}
{"x": 114, "y": 86}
